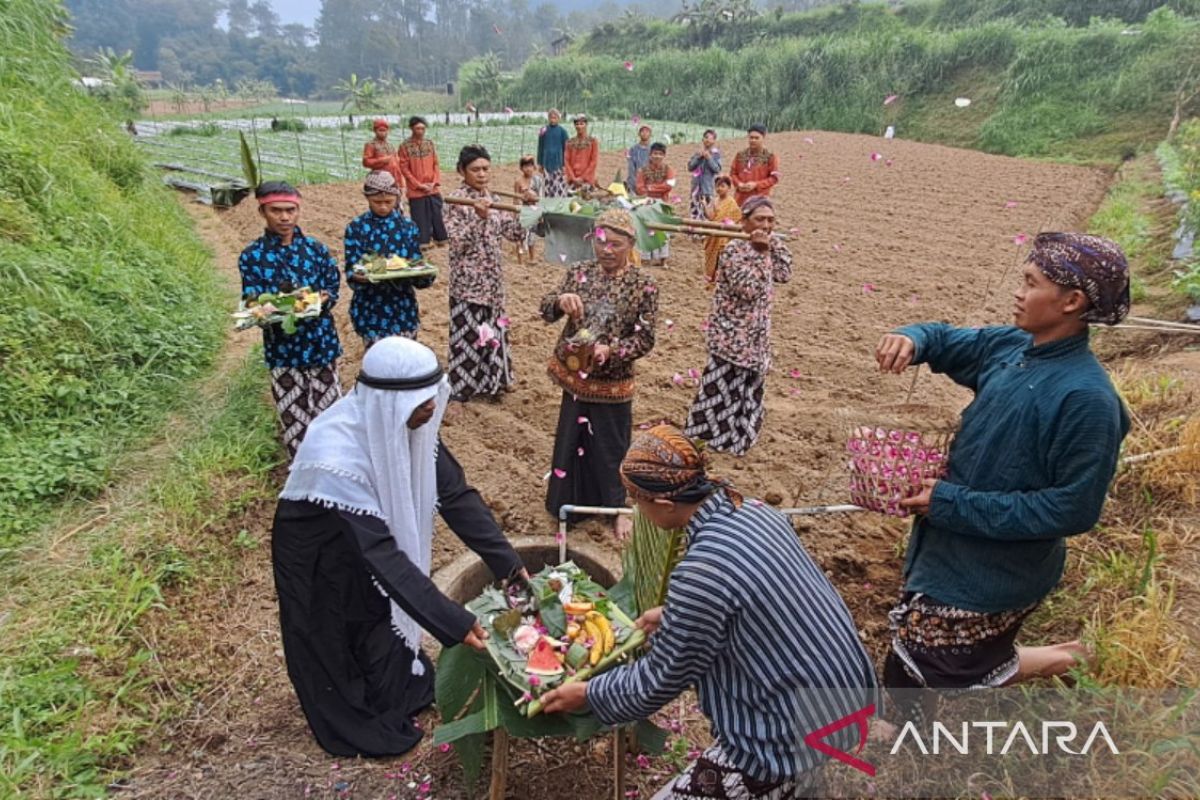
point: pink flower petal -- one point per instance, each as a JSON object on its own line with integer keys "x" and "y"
{"x": 868, "y": 288}
{"x": 562, "y": 257}
{"x": 670, "y": 324}
{"x": 914, "y": 299}
{"x": 635, "y": 119}
{"x": 837, "y": 248}
{"x": 508, "y": 110}
{"x": 728, "y": 221}
{"x": 579, "y": 452}
{"x": 809, "y": 140}
{"x": 876, "y": 156}
{"x": 560, "y": 473}
{"x": 693, "y": 373}
{"x": 643, "y": 761}
{"x": 888, "y": 163}
{"x": 582, "y": 375}
{"x": 891, "y": 98}
{"x": 583, "y": 421}
{"x": 677, "y": 379}
{"x": 502, "y": 322}
{"x": 444, "y": 747}
{"x": 795, "y": 373}
{"x": 629, "y": 66}
{"x": 1020, "y": 239}
{"x": 600, "y": 234}
{"x": 581, "y": 277}
{"x": 1011, "y": 204}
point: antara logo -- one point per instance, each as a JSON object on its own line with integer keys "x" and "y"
{"x": 816, "y": 741}
{"x": 1062, "y": 732}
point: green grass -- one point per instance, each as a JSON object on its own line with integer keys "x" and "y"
{"x": 81, "y": 681}
{"x": 1090, "y": 93}
{"x": 110, "y": 303}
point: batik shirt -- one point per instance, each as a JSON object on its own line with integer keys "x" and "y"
{"x": 267, "y": 265}
{"x": 739, "y": 327}
{"x": 419, "y": 163}
{"x": 582, "y": 158}
{"x": 387, "y": 308}
{"x": 620, "y": 312}
{"x": 476, "y": 275}
{"x": 760, "y": 169}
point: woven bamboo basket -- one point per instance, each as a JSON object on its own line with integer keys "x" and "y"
{"x": 577, "y": 356}
{"x": 891, "y": 450}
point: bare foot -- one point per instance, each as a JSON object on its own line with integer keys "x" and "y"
{"x": 1052, "y": 660}
{"x": 623, "y": 527}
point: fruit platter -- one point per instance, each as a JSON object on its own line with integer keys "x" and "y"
{"x": 378, "y": 268}
{"x": 559, "y": 627}
{"x": 282, "y": 308}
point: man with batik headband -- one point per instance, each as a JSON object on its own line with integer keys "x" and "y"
{"x": 303, "y": 364}
{"x": 611, "y": 309}
{"x": 756, "y": 169}
{"x": 728, "y": 410}
{"x": 351, "y": 549}
{"x": 750, "y": 621}
{"x": 480, "y": 363}
{"x": 1030, "y": 466}
{"x": 378, "y": 154}
{"x": 386, "y": 308}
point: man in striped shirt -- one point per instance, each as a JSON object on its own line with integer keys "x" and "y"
{"x": 749, "y": 620}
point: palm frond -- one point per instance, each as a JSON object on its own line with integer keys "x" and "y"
{"x": 651, "y": 556}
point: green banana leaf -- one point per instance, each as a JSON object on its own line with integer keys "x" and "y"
{"x": 249, "y": 167}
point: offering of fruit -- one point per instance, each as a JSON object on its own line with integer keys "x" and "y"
{"x": 559, "y": 627}
{"x": 377, "y": 268}
{"x": 282, "y": 309}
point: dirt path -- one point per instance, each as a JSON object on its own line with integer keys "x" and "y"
{"x": 923, "y": 232}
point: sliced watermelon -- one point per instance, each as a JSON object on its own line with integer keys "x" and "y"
{"x": 543, "y": 659}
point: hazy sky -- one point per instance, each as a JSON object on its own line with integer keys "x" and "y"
{"x": 297, "y": 10}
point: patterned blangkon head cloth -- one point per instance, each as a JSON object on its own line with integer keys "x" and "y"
{"x": 1092, "y": 264}
{"x": 618, "y": 220}
{"x": 380, "y": 182}
{"x": 664, "y": 464}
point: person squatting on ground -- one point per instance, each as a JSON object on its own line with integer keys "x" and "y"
{"x": 387, "y": 308}
{"x": 756, "y": 169}
{"x": 419, "y": 163}
{"x": 1030, "y": 466}
{"x": 618, "y": 305}
{"x": 750, "y": 621}
{"x": 479, "y": 361}
{"x": 728, "y": 411}
{"x": 351, "y": 551}
{"x": 657, "y": 180}
{"x": 581, "y": 157}
{"x": 378, "y": 154}
{"x": 304, "y": 380}
{"x": 551, "y": 155}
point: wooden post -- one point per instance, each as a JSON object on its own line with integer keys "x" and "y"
{"x": 618, "y": 749}
{"x": 499, "y": 784}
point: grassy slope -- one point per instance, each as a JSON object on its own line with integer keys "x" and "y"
{"x": 1093, "y": 93}
{"x": 110, "y": 302}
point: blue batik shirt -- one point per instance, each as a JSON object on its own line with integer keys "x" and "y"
{"x": 388, "y": 308}
{"x": 267, "y": 265}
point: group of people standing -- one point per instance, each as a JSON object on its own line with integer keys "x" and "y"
{"x": 1029, "y": 467}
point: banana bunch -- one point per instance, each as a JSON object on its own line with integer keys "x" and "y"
{"x": 587, "y": 623}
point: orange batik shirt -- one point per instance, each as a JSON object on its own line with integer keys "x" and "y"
{"x": 582, "y": 158}
{"x": 419, "y": 163}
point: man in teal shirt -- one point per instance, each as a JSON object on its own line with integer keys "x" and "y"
{"x": 1030, "y": 466}
{"x": 551, "y": 155}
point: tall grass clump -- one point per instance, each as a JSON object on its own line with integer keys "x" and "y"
{"x": 1044, "y": 87}
{"x": 109, "y": 302}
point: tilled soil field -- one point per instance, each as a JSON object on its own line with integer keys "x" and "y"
{"x": 883, "y": 233}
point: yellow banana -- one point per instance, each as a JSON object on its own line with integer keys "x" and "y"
{"x": 593, "y": 630}
{"x": 610, "y": 638}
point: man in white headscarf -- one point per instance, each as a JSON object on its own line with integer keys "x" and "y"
{"x": 351, "y": 550}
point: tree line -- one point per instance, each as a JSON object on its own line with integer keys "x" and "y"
{"x": 416, "y": 43}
